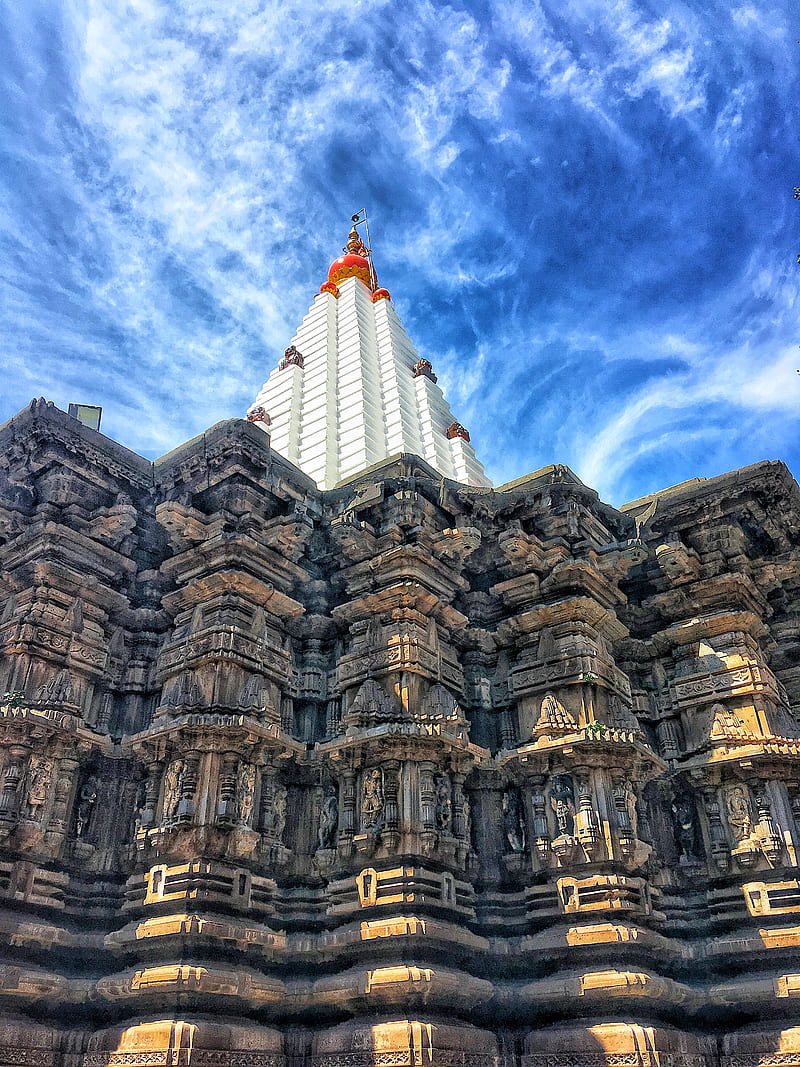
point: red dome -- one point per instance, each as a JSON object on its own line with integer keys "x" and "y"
{"x": 380, "y": 294}
{"x": 350, "y": 266}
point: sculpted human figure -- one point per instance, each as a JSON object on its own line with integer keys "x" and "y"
{"x": 513, "y": 823}
{"x": 245, "y": 786}
{"x": 563, "y": 804}
{"x": 328, "y": 818}
{"x": 372, "y": 799}
{"x": 740, "y": 814}
{"x": 40, "y": 772}
{"x": 279, "y": 811}
{"x": 86, "y": 802}
{"x": 444, "y": 803}
{"x": 684, "y": 819}
{"x": 173, "y": 780}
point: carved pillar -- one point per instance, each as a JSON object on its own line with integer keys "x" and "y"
{"x": 186, "y": 807}
{"x": 795, "y": 804}
{"x": 541, "y": 831}
{"x": 770, "y": 840}
{"x": 64, "y": 775}
{"x": 266, "y": 807}
{"x": 427, "y": 796}
{"x": 151, "y": 787}
{"x": 104, "y": 715}
{"x": 667, "y": 736}
{"x": 332, "y": 717}
{"x": 65, "y": 782}
{"x": 508, "y": 733}
{"x": 460, "y": 808}
{"x": 12, "y": 779}
{"x": 287, "y": 715}
{"x": 347, "y": 804}
{"x": 391, "y": 782}
{"x": 228, "y": 777}
{"x": 716, "y": 831}
{"x": 588, "y": 824}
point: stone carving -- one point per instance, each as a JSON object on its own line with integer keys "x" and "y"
{"x": 245, "y": 788}
{"x": 371, "y": 799}
{"x": 273, "y": 807}
{"x": 740, "y": 812}
{"x": 328, "y": 818}
{"x": 439, "y": 705}
{"x": 184, "y": 693}
{"x": 554, "y": 719}
{"x": 466, "y": 818}
{"x": 287, "y": 862}
{"x": 59, "y": 691}
{"x": 457, "y": 543}
{"x": 173, "y": 784}
{"x": 444, "y": 803}
{"x": 372, "y": 704}
{"x": 254, "y": 697}
{"x": 40, "y": 773}
{"x": 514, "y": 819}
{"x": 687, "y": 834}
{"x": 562, "y": 801}
{"x": 87, "y": 799}
{"x": 676, "y": 561}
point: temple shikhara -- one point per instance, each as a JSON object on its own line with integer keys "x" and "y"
{"x": 320, "y": 751}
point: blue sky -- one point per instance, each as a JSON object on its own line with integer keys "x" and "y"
{"x": 583, "y": 210}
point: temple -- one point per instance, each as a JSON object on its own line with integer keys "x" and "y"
{"x": 351, "y": 390}
{"x": 318, "y": 751}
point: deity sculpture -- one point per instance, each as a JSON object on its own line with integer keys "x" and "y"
{"x": 685, "y": 822}
{"x": 173, "y": 781}
{"x": 40, "y": 772}
{"x": 245, "y": 786}
{"x": 87, "y": 798}
{"x": 328, "y": 818}
{"x": 444, "y": 803}
{"x": 372, "y": 799}
{"x": 562, "y": 801}
{"x": 740, "y": 812}
{"x": 513, "y": 820}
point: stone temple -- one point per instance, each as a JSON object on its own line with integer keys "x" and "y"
{"x": 319, "y": 751}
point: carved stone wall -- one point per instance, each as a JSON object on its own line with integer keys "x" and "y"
{"x": 400, "y": 773}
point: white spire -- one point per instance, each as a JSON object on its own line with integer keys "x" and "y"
{"x": 351, "y": 389}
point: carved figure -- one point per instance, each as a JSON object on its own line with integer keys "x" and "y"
{"x": 173, "y": 781}
{"x": 740, "y": 812}
{"x": 466, "y": 817}
{"x": 40, "y": 772}
{"x": 245, "y": 787}
{"x": 139, "y": 806}
{"x": 279, "y": 811}
{"x": 372, "y": 799}
{"x": 444, "y": 803}
{"x": 87, "y": 798}
{"x": 685, "y": 823}
{"x": 562, "y": 801}
{"x": 513, "y": 821}
{"x": 328, "y": 818}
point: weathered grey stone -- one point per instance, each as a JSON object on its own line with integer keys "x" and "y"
{"x": 400, "y": 773}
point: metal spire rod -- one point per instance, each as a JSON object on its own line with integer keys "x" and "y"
{"x": 357, "y": 219}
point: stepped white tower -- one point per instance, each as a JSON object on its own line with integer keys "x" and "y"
{"x": 351, "y": 389}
